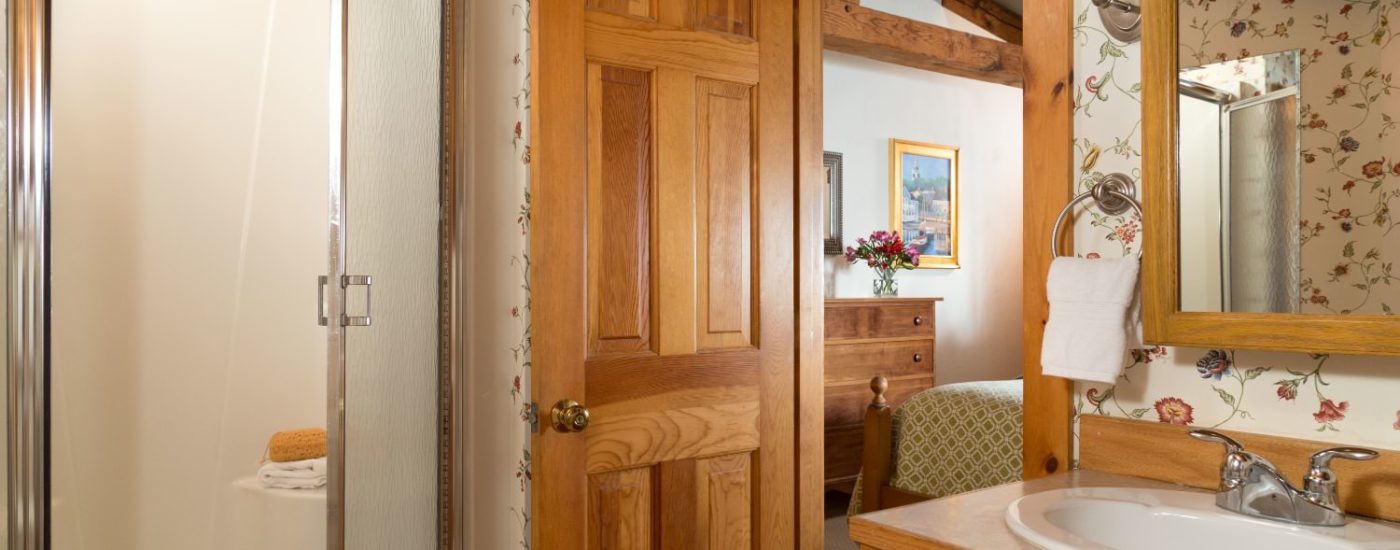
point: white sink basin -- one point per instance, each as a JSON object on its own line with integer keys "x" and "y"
{"x": 1149, "y": 519}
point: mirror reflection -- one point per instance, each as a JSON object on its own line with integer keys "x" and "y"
{"x": 1288, "y": 159}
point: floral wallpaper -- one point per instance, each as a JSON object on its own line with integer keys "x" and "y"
{"x": 1355, "y": 400}
{"x": 519, "y": 390}
{"x": 495, "y": 377}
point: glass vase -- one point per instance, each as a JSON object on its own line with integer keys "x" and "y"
{"x": 885, "y": 283}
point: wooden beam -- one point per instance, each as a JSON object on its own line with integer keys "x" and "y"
{"x": 1048, "y": 158}
{"x": 989, "y": 15}
{"x": 852, "y": 29}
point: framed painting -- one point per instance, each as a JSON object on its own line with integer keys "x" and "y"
{"x": 924, "y": 200}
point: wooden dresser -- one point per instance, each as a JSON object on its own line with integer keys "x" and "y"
{"x": 868, "y": 337}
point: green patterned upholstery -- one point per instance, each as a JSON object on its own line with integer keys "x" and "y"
{"x": 954, "y": 439}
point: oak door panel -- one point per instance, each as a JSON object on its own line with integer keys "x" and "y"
{"x": 643, "y": 438}
{"x": 708, "y": 504}
{"x": 727, "y": 16}
{"x": 619, "y": 510}
{"x": 634, "y": 8}
{"x": 727, "y": 486}
{"x": 619, "y": 208}
{"x": 724, "y": 208}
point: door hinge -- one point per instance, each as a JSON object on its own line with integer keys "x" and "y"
{"x": 532, "y": 410}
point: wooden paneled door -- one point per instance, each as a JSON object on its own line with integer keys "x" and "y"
{"x": 663, "y": 273}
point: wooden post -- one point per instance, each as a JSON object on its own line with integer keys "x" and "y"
{"x": 876, "y": 462}
{"x": 1048, "y": 184}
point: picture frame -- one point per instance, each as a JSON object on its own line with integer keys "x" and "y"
{"x": 831, "y": 191}
{"x": 924, "y": 200}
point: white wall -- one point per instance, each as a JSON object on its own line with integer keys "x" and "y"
{"x": 189, "y": 211}
{"x": 1200, "y": 207}
{"x": 866, "y": 104}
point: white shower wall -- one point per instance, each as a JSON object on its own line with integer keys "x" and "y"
{"x": 189, "y": 211}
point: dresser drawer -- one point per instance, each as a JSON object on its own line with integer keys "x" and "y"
{"x": 843, "y": 453}
{"x": 846, "y": 403}
{"x": 861, "y": 361}
{"x": 897, "y": 320}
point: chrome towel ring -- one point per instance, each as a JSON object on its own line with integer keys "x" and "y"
{"x": 1113, "y": 196}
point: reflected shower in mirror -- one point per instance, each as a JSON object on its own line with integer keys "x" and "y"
{"x": 1288, "y": 158}
{"x": 1239, "y": 185}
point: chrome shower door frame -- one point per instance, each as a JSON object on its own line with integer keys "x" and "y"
{"x": 28, "y": 272}
{"x": 335, "y": 297}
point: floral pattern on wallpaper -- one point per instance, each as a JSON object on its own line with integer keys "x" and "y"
{"x": 1351, "y": 152}
{"x": 520, "y": 313}
{"x": 1333, "y": 398}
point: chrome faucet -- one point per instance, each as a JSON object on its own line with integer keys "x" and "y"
{"x": 1251, "y": 485}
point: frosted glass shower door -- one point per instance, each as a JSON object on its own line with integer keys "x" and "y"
{"x": 391, "y": 235}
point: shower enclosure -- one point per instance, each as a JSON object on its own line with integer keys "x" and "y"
{"x": 224, "y": 221}
{"x": 1240, "y": 185}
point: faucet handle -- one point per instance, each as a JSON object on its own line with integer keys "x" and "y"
{"x": 1231, "y": 446}
{"x": 1322, "y": 459}
{"x": 1320, "y": 484}
{"x": 1238, "y": 462}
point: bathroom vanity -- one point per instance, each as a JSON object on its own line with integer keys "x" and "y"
{"x": 1136, "y": 477}
{"x": 973, "y": 520}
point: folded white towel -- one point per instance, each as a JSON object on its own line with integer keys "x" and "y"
{"x": 300, "y": 474}
{"x": 1094, "y": 318}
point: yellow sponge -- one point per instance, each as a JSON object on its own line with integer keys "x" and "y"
{"x": 295, "y": 445}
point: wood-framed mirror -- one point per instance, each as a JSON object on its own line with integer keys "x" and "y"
{"x": 1270, "y": 172}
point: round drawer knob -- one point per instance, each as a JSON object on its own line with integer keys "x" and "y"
{"x": 918, "y": 357}
{"x": 918, "y": 320}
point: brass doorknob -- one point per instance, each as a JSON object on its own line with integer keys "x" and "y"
{"x": 569, "y": 416}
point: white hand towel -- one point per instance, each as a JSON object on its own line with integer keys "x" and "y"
{"x": 1094, "y": 318}
{"x": 300, "y": 474}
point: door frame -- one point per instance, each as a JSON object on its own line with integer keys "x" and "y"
{"x": 1048, "y": 108}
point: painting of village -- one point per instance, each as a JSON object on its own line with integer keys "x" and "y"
{"x": 924, "y": 206}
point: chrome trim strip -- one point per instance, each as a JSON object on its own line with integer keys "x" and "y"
{"x": 1262, "y": 98}
{"x": 1203, "y": 92}
{"x": 28, "y": 194}
{"x": 335, "y": 333}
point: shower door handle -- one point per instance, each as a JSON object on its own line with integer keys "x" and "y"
{"x": 346, "y": 281}
{"x": 321, "y": 301}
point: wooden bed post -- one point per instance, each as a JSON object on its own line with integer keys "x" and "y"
{"x": 876, "y": 462}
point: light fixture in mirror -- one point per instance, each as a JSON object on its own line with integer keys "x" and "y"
{"x": 1288, "y": 157}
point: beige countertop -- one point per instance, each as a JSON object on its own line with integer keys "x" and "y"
{"x": 975, "y": 520}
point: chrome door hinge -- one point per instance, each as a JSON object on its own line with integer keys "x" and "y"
{"x": 346, "y": 281}
{"x": 533, "y": 411}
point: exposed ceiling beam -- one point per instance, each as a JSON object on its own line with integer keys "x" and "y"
{"x": 996, "y": 19}
{"x": 852, "y": 29}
